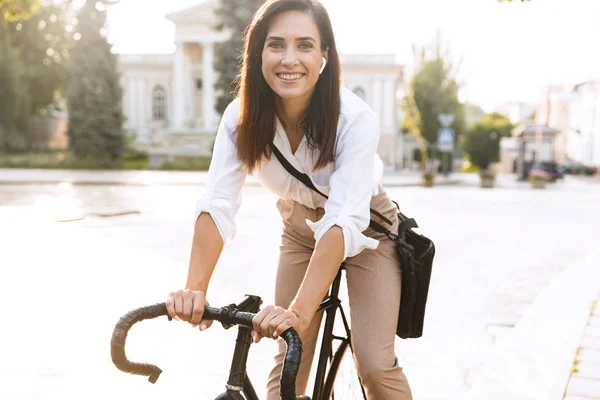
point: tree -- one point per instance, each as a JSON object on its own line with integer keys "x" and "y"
{"x": 482, "y": 140}
{"x": 13, "y": 10}
{"x": 43, "y": 43}
{"x": 14, "y": 100}
{"x": 234, "y": 16}
{"x": 94, "y": 94}
{"x": 433, "y": 90}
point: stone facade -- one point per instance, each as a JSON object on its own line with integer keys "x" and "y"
{"x": 169, "y": 99}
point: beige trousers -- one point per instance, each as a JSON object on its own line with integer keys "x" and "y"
{"x": 373, "y": 278}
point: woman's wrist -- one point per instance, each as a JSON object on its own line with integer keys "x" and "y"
{"x": 303, "y": 312}
{"x": 197, "y": 286}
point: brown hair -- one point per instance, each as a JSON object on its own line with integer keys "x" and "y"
{"x": 256, "y": 122}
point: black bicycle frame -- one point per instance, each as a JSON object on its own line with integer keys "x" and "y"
{"x": 238, "y": 379}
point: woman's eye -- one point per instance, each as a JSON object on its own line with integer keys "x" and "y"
{"x": 306, "y": 46}
{"x": 276, "y": 45}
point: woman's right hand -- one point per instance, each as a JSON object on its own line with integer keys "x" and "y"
{"x": 188, "y": 305}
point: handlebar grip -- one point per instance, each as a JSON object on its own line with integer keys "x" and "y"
{"x": 225, "y": 315}
{"x": 117, "y": 343}
{"x": 291, "y": 364}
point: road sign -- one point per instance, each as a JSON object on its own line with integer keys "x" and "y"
{"x": 445, "y": 140}
{"x": 446, "y": 120}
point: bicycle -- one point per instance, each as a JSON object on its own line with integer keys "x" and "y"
{"x": 329, "y": 364}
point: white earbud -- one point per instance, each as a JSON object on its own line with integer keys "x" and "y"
{"x": 323, "y": 65}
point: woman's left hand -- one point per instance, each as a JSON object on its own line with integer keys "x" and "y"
{"x": 272, "y": 321}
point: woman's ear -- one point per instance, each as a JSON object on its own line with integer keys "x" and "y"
{"x": 323, "y": 64}
{"x": 323, "y": 60}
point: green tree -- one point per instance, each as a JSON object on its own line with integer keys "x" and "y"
{"x": 234, "y": 16}
{"x": 43, "y": 43}
{"x": 13, "y": 10}
{"x": 482, "y": 140}
{"x": 94, "y": 93}
{"x": 433, "y": 90}
{"x": 14, "y": 100}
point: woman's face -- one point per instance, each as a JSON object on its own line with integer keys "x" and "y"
{"x": 291, "y": 56}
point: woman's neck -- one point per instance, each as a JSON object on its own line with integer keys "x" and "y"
{"x": 290, "y": 113}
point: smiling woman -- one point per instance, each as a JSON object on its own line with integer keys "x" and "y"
{"x": 290, "y": 100}
{"x": 290, "y": 52}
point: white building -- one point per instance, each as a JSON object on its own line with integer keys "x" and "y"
{"x": 575, "y": 112}
{"x": 169, "y": 99}
{"x": 584, "y": 122}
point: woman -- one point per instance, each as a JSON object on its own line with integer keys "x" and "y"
{"x": 290, "y": 97}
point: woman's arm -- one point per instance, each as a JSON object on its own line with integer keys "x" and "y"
{"x": 188, "y": 304}
{"x": 206, "y": 249}
{"x": 322, "y": 269}
{"x": 215, "y": 223}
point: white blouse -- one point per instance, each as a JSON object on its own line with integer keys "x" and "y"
{"x": 350, "y": 181}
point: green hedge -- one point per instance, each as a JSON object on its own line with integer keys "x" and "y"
{"x": 65, "y": 160}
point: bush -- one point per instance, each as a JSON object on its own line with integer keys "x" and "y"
{"x": 539, "y": 175}
{"x": 66, "y": 160}
{"x": 482, "y": 141}
{"x": 180, "y": 163}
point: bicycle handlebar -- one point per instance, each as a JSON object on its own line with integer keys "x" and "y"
{"x": 225, "y": 315}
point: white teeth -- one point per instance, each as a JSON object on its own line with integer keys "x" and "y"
{"x": 290, "y": 77}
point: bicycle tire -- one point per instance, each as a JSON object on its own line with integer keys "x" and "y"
{"x": 343, "y": 382}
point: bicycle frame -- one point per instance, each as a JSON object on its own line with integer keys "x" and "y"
{"x": 238, "y": 379}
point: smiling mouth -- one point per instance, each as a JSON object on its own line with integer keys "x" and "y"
{"x": 290, "y": 77}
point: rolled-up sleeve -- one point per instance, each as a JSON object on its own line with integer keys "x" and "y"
{"x": 352, "y": 186}
{"x": 226, "y": 176}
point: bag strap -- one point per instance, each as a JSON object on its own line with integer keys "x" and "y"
{"x": 306, "y": 180}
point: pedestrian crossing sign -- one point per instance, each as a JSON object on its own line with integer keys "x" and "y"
{"x": 445, "y": 139}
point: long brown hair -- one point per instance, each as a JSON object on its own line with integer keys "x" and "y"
{"x": 256, "y": 122}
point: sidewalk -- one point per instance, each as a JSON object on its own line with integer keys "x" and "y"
{"x": 146, "y": 178}
{"x": 584, "y": 382}
{"x": 535, "y": 360}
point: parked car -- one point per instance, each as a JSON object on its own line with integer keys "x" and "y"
{"x": 577, "y": 168}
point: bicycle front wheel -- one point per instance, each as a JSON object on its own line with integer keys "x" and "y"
{"x": 343, "y": 382}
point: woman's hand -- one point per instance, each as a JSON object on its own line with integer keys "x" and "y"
{"x": 188, "y": 305}
{"x": 272, "y": 321}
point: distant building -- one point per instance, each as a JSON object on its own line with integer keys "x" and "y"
{"x": 517, "y": 112}
{"x": 520, "y": 151}
{"x": 169, "y": 99}
{"x": 575, "y": 113}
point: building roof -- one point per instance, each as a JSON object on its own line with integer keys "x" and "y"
{"x": 202, "y": 12}
{"x": 531, "y": 129}
{"x": 587, "y": 84}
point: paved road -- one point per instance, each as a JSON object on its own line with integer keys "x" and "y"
{"x": 64, "y": 284}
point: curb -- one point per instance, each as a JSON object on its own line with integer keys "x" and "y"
{"x": 534, "y": 360}
{"x": 142, "y": 184}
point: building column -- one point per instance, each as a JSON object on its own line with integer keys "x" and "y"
{"x": 376, "y": 96}
{"x": 178, "y": 83}
{"x": 389, "y": 102}
{"x": 143, "y": 99}
{"x": 188, "y": 91}
{"x": 130, "y": 101}
{"x": 208, "y": 85}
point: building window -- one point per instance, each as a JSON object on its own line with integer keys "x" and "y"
{"x": 159, "y": 103}
{"x": 198, "y": 84}
{"x": 360, "y": 92}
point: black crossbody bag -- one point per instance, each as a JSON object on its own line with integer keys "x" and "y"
{"x": 416, "y": 254}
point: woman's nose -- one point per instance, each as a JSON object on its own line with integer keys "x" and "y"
{"x": 290, "y": 57}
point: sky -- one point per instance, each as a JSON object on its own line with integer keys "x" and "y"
{"x": 508, "y": 51}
